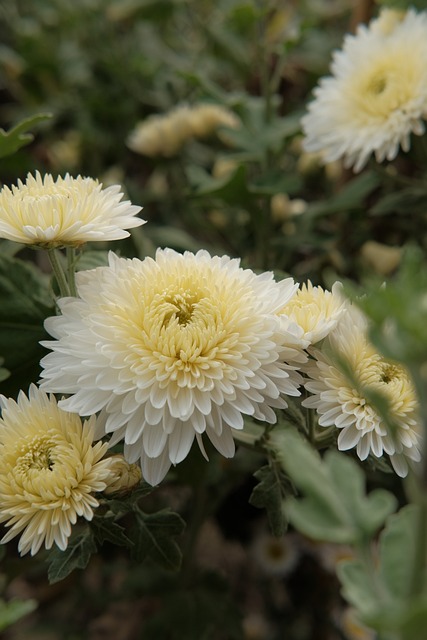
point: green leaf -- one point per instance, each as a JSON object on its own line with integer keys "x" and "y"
{"x": 310, "y": 475}
{"x": 255, "y": 137}
{"x": 17, "y": 137}
{"x": 105, "y": 529}
{"x": 368, "y": 512}
{"x": 334, "y": 506}
{"x": 154, "y": 536}
{"x": 232, "y": 189}
{"x": 76, "y": 556}
{"x": 396, "y": 567}
{"x": 14, "y": 610}
{"x": 24, "y": 304}
{"x": 357, "y": 586}
{"x": 269, "y": 494}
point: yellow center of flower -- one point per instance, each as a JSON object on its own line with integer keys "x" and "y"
{"x": 389, "y": 372}
{"x": 183, "y": 305}
{"x": 377, "y": 84}
{"x": 386, "y": 86}
{"x": 185, "y": 323}
{"x": 35, "y": 454}
{"x": 389, "y": 379}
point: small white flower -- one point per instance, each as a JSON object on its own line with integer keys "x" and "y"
{"x": 66, "y": 211}
{"x": 315, "y": 310}
{"x": 376, "y": 96}
{"x": 171, "y": 348}
{"x": 342, "y": 402}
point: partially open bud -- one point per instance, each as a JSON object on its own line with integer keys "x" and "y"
{"x": 125, "y": 476}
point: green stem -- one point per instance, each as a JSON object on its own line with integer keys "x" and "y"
{"x": 71, "y": 270}
{"x": 58, "y": 272}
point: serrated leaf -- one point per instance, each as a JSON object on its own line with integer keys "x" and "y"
{"x": 24, "y": 305}
{"x": 18, "y": 136}
{"x": 106, "y": 530}
{"x": 269, "y": 494}
{"x": 76, "y": 556}
{"x": 154, "y": 536}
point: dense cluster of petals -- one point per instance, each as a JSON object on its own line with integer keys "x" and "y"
{"x": 64, "y": 212}
{"x": 49, "y": 470}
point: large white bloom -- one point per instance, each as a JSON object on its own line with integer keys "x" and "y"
{"x": 341, "y": 399}
{"x": 65, "y": 211}
{"x": 171, "y": 348}
{"x": 376, "y": 96}
{"x": 49, "y": 470}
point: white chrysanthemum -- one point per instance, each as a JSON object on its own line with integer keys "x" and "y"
{"x": 342, "y": 402}
{"x": 376, "y": 97}
{"x": 173, "y": 348}
{"x": 65, "y": 211}
{"x": 49, "y": 470}
{"x": 315, "y": 310}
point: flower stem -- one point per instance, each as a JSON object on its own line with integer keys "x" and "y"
{"x": 58, "y": 272}
{"x": 71, "y": 270}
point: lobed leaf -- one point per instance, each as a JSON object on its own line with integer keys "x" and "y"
{"x": 76, "y": 556}
{"x": 18, "y": 136}
{"x": 154, "y": 536}
{"x": 335, "y": 506}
